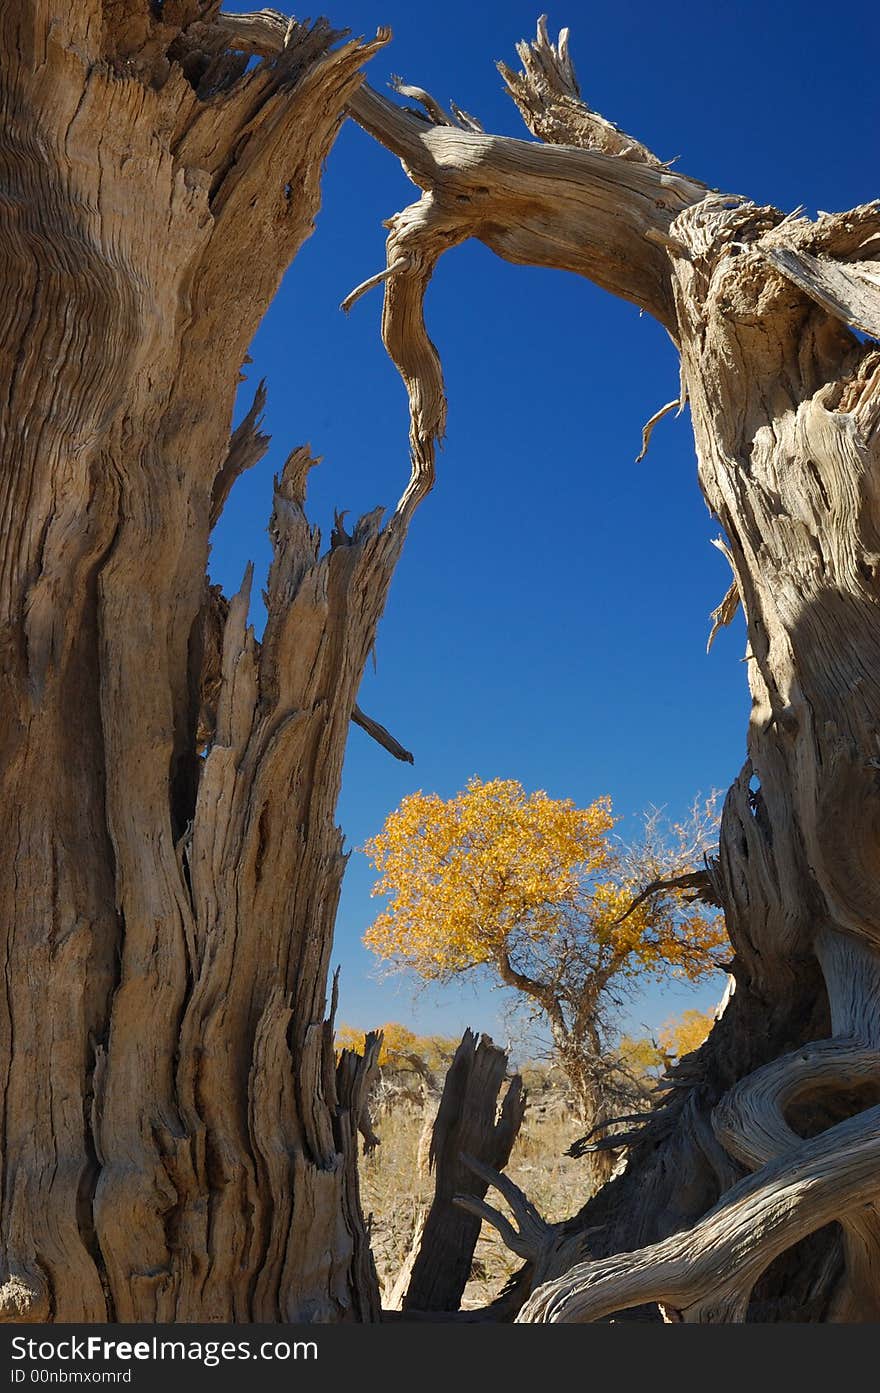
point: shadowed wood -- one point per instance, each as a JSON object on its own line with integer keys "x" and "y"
{"x": 473, "y": 1120}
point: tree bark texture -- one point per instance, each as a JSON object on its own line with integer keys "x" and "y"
{"x": 176, "y": 1141}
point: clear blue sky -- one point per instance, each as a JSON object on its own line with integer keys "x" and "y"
{"x": 549, "y": 619}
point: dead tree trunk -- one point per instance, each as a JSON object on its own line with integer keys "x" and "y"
{"x": 471, "y": 1130}
{"x": 175, "y": 1145}
{"x": 785, "y": 397}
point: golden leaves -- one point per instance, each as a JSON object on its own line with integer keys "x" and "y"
{"x": 686, "y": 1032}
{"x": 678, "y": 1036}
{"x": 464, "y": 873}
{"x": 399, "y": 1044}
{"x": 495, "y": 872}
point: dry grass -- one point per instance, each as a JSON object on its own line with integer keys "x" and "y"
{"x": 395, "y": 1187}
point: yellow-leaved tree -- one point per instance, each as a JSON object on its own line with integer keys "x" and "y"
{"x": 685, "y": 1033}
{"x": 402, "y": 1049}
{"x": 543, "y": 897}
{"x": 647, "y": 1057}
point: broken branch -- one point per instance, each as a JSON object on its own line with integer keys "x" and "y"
{"x": 382, "y": 736}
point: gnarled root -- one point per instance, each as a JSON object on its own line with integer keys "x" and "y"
{"x": 750, "y": 1120}
{"x": 546, "y": 1247}
{"x": 707, "y": 1273}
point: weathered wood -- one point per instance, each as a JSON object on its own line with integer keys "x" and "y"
{"x": 382, "y": 736}
{"x": 176, "y": 1143}
{"x": 470, "y": 1122}
{"x": 706, "y": 1274}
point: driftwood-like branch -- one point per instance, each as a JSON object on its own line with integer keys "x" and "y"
{"x": 532, "y": 1235}
{"x": 371, "y": 282}
{"x": 433, "y": 110}
{"x": 546, "y": 1248}
{"x": 707, "y": 1272}
{"x": 504, "y": 191}
{"x": 750, "y": 1121}
{"x": 648, "y": 428}
{"x": 382, "y": 736}
{"x": 549, "y": 99}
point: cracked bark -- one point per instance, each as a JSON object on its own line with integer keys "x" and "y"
{"x": 176, "y": 1142}
{"x": 166, "y": 918}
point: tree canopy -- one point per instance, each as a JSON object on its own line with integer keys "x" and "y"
{"x": 546, "y": 899}
{"x": 400, "y": 1045}
{"x": 532, "y": 888}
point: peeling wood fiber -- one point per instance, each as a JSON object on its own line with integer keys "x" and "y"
{"x": 176, "y": 1142}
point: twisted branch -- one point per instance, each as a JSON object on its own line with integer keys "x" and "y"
{"x": 707, "y": 1272}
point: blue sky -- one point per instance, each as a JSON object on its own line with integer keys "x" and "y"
{"x": 548, "y": 621}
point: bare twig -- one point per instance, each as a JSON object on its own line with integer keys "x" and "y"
{"x": 382, "y": 736}
{"x": 648, "y": 428}
{"x": 401, "y": 264}
{"x": 692, "y": 880}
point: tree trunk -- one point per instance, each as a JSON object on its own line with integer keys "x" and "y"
{"x": 583, "y": 1068}
{"x": 471, "y": 1126}
{"x": 175, "y": 1143}
{"x": 785, "y": 400}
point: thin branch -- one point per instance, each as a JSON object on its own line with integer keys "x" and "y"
{"x": 618, "y": 1141}
{"x": 579, "y": 1147}
{"x": 692, "y": 880}
{"x": 435, "y": 112}
{"x": 648, "y": 428}
{"x": 382, "y": 736}
{"x": 512, "y": 1238}
{"x": 401, "y": 264}
{"x": 534, "y": 1234}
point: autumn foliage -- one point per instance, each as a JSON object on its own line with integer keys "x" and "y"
{"x": 496, "y": 874}
{"x": 545, "y": 898}
{"x": 678, "y": 1036}
{"x": 399, "y": 1045}
{"x": 685, "y": 1033}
